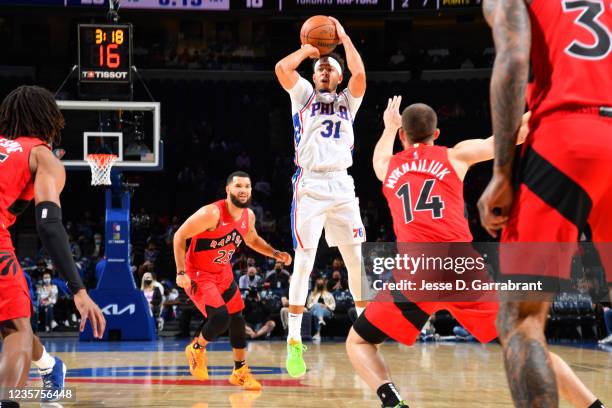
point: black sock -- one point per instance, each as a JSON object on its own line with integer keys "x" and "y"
{"x": 597, "y": 404}
{"x": 388, "y": 395}
{"x": 239, "y": 364}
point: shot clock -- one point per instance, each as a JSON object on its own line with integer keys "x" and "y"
{"x": 105, "y": 53}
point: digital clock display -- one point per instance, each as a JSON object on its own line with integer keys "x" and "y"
{"x": 105, "y": 53}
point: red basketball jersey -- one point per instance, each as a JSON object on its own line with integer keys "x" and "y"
{"x": 425, "y": 196}
{"x": 571, "y": 58}
{"x": 211, "y": 251}
{"x": 16, "y": 182}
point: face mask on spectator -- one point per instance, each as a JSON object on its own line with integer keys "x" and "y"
{"x": 148, "y": 282}
{"x": 47, "y": 281}
{"x": 320, "y": 286}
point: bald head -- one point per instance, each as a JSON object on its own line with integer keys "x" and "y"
{"x": 419, "y": 122}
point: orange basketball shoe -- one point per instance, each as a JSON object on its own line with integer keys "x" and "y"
{"x": 196, "y": 355}
{"x": 243, "y": 377}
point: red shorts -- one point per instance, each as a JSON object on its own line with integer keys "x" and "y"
{"x": 565, "y": 189}
{"x": 214, "y": 290}
{"x": 15, "y": 300}
{"x": 403, "y": 321}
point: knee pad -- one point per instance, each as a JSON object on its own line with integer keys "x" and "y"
{"x": 218, "y": 320}
{"x": 351, "y": 255}
{"x": 298, "y": 287}
{"x": 237, "y": 331}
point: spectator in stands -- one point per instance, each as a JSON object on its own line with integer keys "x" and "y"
{"x": 47, "y": 298}
{"x": 337, "y": 282}
{"x": 268, "y": 223}
{"x": 397, "y": 59}
{"x": 250, "y": 280}
{"x": 243, "y": 161}
{"x": 151, "y": 252}
{"x": 278, "y": 278}
{"x": 154, "y": 296}
{"x": 321, "y": 305}
{"x": 98, "y": 248}
{"x": 74, "y": 247}
{"x": 607, "y": 314}
{"x": 257, "y": 315}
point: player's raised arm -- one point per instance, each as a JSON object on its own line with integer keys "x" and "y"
{"x": 286, "y": 69}
{"x": 474, "y": 151}
{"x": 253, "y": 240}
{"x": 357, "y": 83}
{"x": 205, "y": 218}
{"x": 49, "y": 179}
{"x": 384, "y": 148}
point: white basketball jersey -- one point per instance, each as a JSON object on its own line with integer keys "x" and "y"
{"x": 322, "y": 127}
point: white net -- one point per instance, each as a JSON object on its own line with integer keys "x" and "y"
{"x": 101, "y": 165}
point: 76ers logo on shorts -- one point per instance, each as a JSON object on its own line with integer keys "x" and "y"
{"x": 358, "y": 233}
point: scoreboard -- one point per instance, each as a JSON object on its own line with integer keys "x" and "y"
{"x": 105, "y": 53}
{"x": 288, "y": 6}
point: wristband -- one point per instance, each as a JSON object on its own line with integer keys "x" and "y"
{"x": 275, "y": 253}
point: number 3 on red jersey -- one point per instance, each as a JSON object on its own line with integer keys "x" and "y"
{"x": 589, "y": 18}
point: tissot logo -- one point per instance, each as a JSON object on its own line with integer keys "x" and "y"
{"x": 113, "y": 309}
{"x": 104, "y": 75}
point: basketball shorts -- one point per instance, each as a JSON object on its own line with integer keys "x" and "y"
{"x": 564, "y": 191}
{"x": 214, "y": 290}
{"x": 15, "y": 300}
{"x": 325, "y": 201}
{"x": 403, "y": 321}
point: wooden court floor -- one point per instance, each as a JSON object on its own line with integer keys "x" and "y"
{"x": 428, "y": 375}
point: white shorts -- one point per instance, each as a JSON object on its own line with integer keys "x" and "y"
{"x": 325, "y": 201}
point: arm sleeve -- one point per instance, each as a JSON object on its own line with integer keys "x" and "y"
{"x": 55, "y": 240}
{"x": 300, "y": 93}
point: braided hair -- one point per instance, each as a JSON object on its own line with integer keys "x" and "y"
{"x": 31, "y": 111}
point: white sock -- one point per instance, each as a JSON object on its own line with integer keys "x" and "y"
{"x": 359, "y": 310}
{"x": 295, "y": 327}
{"x": 46, "y": 362}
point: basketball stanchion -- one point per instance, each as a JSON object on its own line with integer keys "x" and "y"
{"x": 127, "y": 311}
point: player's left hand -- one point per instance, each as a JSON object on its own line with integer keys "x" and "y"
{"x": 392, "y": 117}
{"x": 339, "y": 29}
{"x": 495, "y": 203}
{"x": 284, "y": 257}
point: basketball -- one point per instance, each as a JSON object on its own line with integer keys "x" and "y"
{"x": 320, "y": 32}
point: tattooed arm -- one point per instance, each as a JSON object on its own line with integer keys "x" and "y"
{"x": 509, "y": 21}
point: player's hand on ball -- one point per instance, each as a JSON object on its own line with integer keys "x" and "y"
{"x": 340, "y": 32}
{"x": 524, "y": 129}
{"x": 392, "y": 117}
{"x": 284, "y": 257}
{"x": 89, "y": 310}
{"x": 311, "y": 51}
{"x": 183, "y": 281}
{"x": 495, "y": 203}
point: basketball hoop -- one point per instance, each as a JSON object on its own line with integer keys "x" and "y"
{"x": 101, "y": 165}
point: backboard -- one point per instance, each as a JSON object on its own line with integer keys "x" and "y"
{"x": 130, "y": 130}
